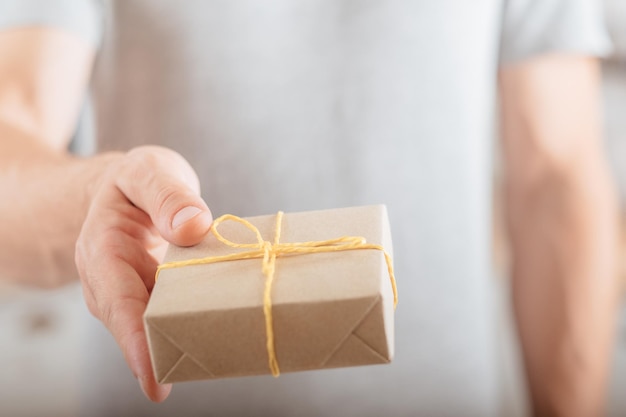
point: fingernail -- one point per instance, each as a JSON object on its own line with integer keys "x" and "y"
{"x": 184, "y": 215}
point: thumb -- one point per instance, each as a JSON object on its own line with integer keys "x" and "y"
{"x": 190, "y": 223}
{"x": 162, "y": 183}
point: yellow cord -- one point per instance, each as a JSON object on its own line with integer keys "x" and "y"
{"x": 269, "y": 252}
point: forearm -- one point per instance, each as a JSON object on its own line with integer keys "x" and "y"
{"x": 44, "y": 197}
{"x": 562, "y": 216}
{"x": 563, "y": 225}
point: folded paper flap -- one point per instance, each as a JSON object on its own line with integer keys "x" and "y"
{"x": 222, "y": 341}
{"x": 370, "y": 340}
{"x": 354, "y": 352}
{"x": 306, "y": 335}
{"x": 186, "y": 369}
{"x": 175, "y": 363}
{"x": 164, "y": 353}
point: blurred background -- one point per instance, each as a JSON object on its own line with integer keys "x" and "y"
{"x": 40, "y": 331}
{"x": 614, "y": 91}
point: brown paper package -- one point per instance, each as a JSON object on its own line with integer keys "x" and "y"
{"x": 329, "y": 309}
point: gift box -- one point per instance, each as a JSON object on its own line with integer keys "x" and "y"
{"x": 330, "y": 302}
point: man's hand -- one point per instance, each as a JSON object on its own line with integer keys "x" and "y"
{"x": 125, "y": 207}
{"x": 146, "y": 198}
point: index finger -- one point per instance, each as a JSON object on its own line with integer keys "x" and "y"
{"x": 117, "y": 272}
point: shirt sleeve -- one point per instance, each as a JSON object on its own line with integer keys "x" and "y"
{"x": 535, "y": 27}
{"x": 616, "y": 21}
{"x": 81, "y": 17}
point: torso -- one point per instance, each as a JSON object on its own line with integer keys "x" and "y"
{"x": 319, "y": 104}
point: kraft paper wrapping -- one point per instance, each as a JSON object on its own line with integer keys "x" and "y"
{"x": 329, "y": 309}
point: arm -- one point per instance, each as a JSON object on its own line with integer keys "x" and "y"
{"x": 562, "y": 220}
{"x": 111, "y": 215}
{"x": 43, "y": 75}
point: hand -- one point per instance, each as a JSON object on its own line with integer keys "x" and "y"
{"x": 146, "y": 198}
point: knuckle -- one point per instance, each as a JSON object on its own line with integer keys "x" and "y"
{"x": 145, "y": 158}
{"x": 149, "y": 163}
{"x": 166, "y": 199}
{"x": 140, "y": 164}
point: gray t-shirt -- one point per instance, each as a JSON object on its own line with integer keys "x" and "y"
{"x": 288, "y": 105}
